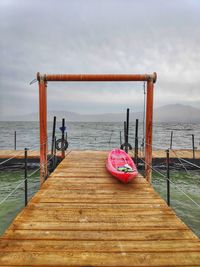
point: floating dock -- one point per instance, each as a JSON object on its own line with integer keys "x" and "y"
{"x": 160, "y": 153}
{"x": 84, "y": 217}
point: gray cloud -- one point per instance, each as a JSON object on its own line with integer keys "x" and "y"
{"x": 107, "y": 36}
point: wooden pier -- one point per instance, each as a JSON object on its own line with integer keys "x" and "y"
{"x": 84, "y": 217}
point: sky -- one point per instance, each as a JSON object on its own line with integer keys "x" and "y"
{"x": 98, "y": 36}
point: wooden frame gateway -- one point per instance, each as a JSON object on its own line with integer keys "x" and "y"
{"x": 44, "y": 78}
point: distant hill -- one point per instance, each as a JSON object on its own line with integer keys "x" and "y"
{"x": 76, "y": 117}
{"x": 168, "y": 113}
{"x": 177, "y": 113}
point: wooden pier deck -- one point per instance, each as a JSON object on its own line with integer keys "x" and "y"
{"x": 84, "y": 217}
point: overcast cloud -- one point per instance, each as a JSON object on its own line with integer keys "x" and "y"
{"x": 104, "y": 36}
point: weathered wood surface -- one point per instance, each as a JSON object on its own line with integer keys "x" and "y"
{"x": 181, "y": 153}
{"x": 84, "y": 217}
{"x": 19, "y": 154}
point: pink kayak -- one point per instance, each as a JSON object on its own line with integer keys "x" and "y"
{"x": 121, "y": 166}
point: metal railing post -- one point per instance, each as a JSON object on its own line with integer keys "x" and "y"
{"x": 53, "y": 134}
{"x": 120, "y": 138}
{"x": 193, "y": 148}
{"x": 168, "y": 179}
{"x": 15, "y": 140}
{"x": 127, "y": 129}
{"x": 136, "y": 142}
{"x": 63, "y": 137}
{"x": 171, "y": 139}
{"x": 25, "y": 177}
{"x": 124, "y": 131}
{"x": 54, "y": 154}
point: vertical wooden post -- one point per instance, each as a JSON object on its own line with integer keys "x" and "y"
{"x": 43, "y": 128}
{"x": 149, "y": 130}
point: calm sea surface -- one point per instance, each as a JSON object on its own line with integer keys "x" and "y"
{"x": 101, "y": 136}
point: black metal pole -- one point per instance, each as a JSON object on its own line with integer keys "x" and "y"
{"x": 25, "y": 177}
{"x": 120, "y": 138}
{"x": 125, "y": 137}
{"x": 54, "y": 154}
{"x": 124, "y": 132}
{"x": 127, "y": 124}
{"x": 15, "y": 140}
{"x": 136, "y": 142}
{"x": 168, "y": 179}
{"x": 193, "y": 149}
{"x": 63, "y": 137}
{"x": 171, "y": 139}
{"x": 127, "y": 130}
{"x": 53, "y": 134}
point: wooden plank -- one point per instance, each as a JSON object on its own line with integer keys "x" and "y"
{"x": 94, "y": 180}
{"x": 121, "y": 187}
{"x": 80, "y": 233}
{"x": 93, "y": 205}
{"x": 93, "y": 217}
{"x": 165, "y": 223}
{"x": 101, "y": 259}
{"x": 97, "y": 246}
{"x": 92, "y": 198}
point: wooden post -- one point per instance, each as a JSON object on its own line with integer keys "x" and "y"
{"x": 43, "y": 128}
{"x": 149, "y": 130}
